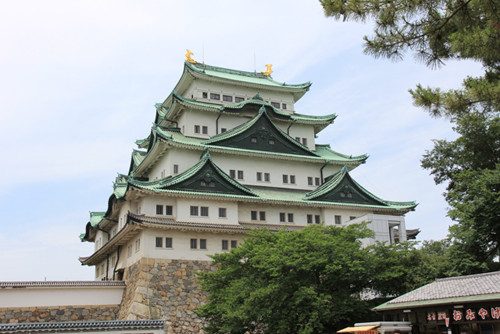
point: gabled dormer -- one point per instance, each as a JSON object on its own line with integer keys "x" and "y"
{"x": 342, "y": 188}
{"x": 204, "y": 177}
{"x": 260, "y": 134}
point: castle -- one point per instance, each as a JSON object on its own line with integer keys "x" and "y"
{"x": 227, "y": 152}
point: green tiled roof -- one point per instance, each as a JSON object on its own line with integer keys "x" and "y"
{"x": 233, "y": 107}
{"x": 203, "y": 177}
{"x": 120, "y": 186}
{"x": 262, "y": 130}
{"x": 342, "y": 188}
{"x": 323, "y": 152}
{"x": 242, "y": 76}
{"x": 96, "y": 218}
{"x": 268, "y": 195}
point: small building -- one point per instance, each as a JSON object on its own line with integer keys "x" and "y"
{"x": 457, "y": 305}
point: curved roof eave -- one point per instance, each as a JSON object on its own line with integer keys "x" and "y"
{"x": 253, "y": 79}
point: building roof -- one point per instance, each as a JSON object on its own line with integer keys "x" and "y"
{"x": 59, "y": 284}
{"x": 461, "y": 289}
{"x": 247, "y": 78}
{"x": 81, "y": 326}
{"x": 204, "y": 176}
{"x": 341, "y": 187}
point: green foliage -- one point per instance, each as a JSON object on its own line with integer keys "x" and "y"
{"x": 289, "y": 282}
{"x": 438, "y": 30}
{"x": 308, "y": 281}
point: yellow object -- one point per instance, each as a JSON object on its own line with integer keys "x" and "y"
{"x": 358, "y": 329}
{"x": 268, "y": 70}
{"x": 188, "y": 57}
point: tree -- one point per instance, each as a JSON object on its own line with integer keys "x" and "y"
{"x": 438, "y": 30}
{"x": 306, "y": 281}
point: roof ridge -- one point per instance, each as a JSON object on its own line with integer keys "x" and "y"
{"x": 491, "y": 273}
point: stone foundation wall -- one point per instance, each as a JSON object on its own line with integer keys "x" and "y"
{"x": 58, "y": 313}
{"x": 165, "y": 289}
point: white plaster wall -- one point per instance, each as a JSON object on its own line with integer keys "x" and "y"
{"x": 276, "y": 168}
{"x": 149, "y": 205}
{"x": 191, "y": 117}
{"x": 184, "y": 211}
{"x": 181, "y": 244}
{"x": 273, "y": 214}
{"x": 183, "y": 158}
{"x": 345, "y": 215}
{"x": 380, "y": 225}
{"x": 60, "y": 296}
{"x": 199, "y": 86}
{"x": 303, "y": 131}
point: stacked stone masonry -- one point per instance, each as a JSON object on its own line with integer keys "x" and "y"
{"x": 165, "y": 289}
{"x": 60, "y": 313}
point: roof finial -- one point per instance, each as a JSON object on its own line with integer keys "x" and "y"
{"x": 188, "y": 57}
{"x": 268, "y": 70}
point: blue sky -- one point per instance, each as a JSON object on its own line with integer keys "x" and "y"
{"x": 79, "y": 80}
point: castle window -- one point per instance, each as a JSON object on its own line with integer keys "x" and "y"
{"x": 169, "y": 210}
{"x": 222, "y": 213}
{"x": 204, "y": 211}
{"x": 203, "y": 243}
{"x": 239, "y": 99}
{"x": 275, "y": 104}
{"x": 227, "y": 98}
{"x": 309, "y": 181}
{"x": 309, "y": 219}
{"x": 232, "y": 173}
{"x": 253, "y": 215}
{"x": 196, "y": 129}
{"x": 352, "y": 217}
{"x": 214, "y": 96}
{"x": 159, "y": 209}
{"x": 97, "y": 271}
{"x": 316, "y": 180}
{"x": 253, "y": 139}
{"x": 194, "y": 243}
{"x": 168, "y": 242}
{"x": 338, "y": 220}
{"x": 317, "y": 219}
{"x": 225, "y": 245}
{"x": 259, "y": 176}
{"x": 271, "y": 141}
{"x": 159, "y": 242}
{"x": 240, "y": 175}
{"x": 262, "y": 215}
{"x": 129, "y": 250}
{"x": 283, "y": 106}
{"x": 282, "y": 217}
{"x": 176, "y": 169}
{"x": 194, "y": 211}
{"x": 304, "y": 141}
{"x": 137, "y": 245}
{"x": 292, "y": 179}
{"x": 285, "y": 178}
{"x": 223, "y": 130}
{"x": 267, "y": 177}
{"x": 234, "y": 243}
{"x": 204, "y": 129}
{"x": 297, "y": 139}
{"x": 204, "y": 95}
{"x": 290, "y": 217}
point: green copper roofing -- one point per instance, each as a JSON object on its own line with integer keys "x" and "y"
{"x": 242, "y": 76}
{"x": 260, "y": 134}
{"x": 96, "y": 218}
{"x": 143, "y": 143}
{"x": 203, "y": 177}
{"x": 245, "y": 106}
{"x": 323, "y": 153}
{"x": 120, "y": 186}
{"x": 341, "y": 188}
